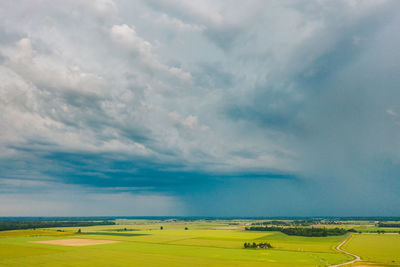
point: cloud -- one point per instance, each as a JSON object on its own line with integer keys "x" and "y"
{"x": 127, "y": 38}
{"x": 102, "y": 8}
{"x": 173, "y": 101}
{"x": 165, "y": 20}
{"x": 30, "y": 199}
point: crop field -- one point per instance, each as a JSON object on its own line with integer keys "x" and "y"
{"x": 202, "y": 243}
{"x": 382, "y": 248}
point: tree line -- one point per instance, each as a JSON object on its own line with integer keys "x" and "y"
{"x": 381, "y": 224}
{"x": 300, "y": 231}
{"x": 272, "y": 223}
{"x": 19, "y": 225}
{"x": 304, "y": 222}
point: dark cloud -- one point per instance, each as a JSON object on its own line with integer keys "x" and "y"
{"x": 201, "y": 104}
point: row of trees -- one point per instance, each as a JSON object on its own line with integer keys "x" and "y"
{"x": 272, "y": 223}
{"x": 301, "y": 231}
{"x": 305, "y": 222}
{"x": 314, "y": 231}
{"x": 381, "y": 224}
{"x": 265, "y": 228}
{"x": 19, "y": 225}
{"x": 257, "y": 245}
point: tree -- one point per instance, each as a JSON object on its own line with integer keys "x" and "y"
{"x": 79, "y": 231}
{"x": 263, "y": 245}
{"x": 186, "y": 228}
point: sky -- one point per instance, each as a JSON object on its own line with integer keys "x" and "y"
{"x": 200, "y": 108}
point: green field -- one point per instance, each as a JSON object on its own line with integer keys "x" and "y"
{"x": 205, "y": 243}
{"x": 382, "y": 248}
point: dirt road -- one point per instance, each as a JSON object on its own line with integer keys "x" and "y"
{"x": 357, "y": 258}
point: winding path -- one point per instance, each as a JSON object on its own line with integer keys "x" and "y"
{"x": 357, "y": 258}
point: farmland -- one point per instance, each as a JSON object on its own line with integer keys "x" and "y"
{"x": 382, "y": 248}
{"x": 185, "y": 243}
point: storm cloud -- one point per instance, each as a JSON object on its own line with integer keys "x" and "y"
{"x": 172, "y": 107}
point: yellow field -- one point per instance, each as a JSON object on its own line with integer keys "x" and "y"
{"x": 380, "y": 248}
{"x": 204, "y": 243}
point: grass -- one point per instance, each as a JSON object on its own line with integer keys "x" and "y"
{"x": 9, "y": 251}
{"x": 204, "y": 244}
{"x": 153, "y": 254}
{"x": 301, "y": 243}
{"x": 379, "y": 248}
{"x": 374, "y": 229}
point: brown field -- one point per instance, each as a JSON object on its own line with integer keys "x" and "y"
{"x": 76, "y": 242}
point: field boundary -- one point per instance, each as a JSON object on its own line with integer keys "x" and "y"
{"x": 356, "y": 257}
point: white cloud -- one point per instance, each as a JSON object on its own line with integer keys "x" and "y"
{"x": 204, "y": 11}
{"x": 127, "y": 37}
{"x": 165, "y": 20}
{"x": 190, "y": 121}
{"x": 102, "y": 8}
{"x": 391, "y": 112}
{"x": 91, "y": 94}
{"x": 210, "y": 86}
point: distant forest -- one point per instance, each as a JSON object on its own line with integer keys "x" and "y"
{"x": 24, "y": 224}
{"x": 290, "y": 223}
{"x": 301, "y": 231}
{"x": 381, "y": 224}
